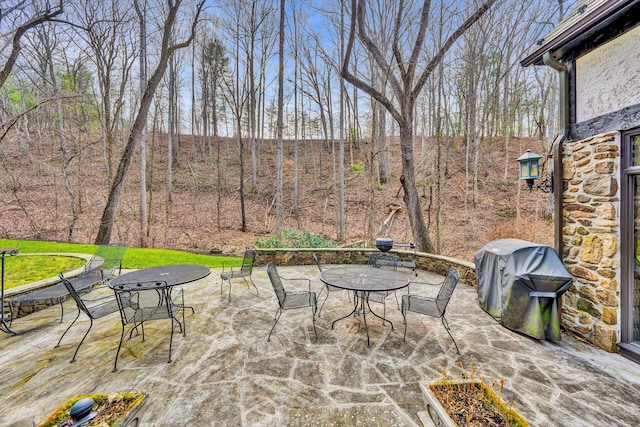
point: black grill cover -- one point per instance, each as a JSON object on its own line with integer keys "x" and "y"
{"x": 518, "y": 285}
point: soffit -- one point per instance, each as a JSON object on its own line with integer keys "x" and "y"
{"x": 587, "y": 17}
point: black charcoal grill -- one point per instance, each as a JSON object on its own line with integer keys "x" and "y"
{"x": 385, "y": 244}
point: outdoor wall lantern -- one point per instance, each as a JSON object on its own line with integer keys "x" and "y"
{"x": 530, "y": 171}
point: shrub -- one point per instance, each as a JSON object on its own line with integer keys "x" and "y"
{"x": 288, "y": 238}
{"x": 357, "y": 167}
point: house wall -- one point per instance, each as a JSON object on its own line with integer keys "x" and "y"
{"x": 606, "y": 78}
{"x": 591, "y": 233}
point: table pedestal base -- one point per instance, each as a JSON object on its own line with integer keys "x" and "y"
{"x": 360, "y": 297}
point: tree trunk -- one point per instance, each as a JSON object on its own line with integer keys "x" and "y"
{"x": 296, "y": 145}
{"x": 341, "y": 219}
{"x": 243, "y": 214}
{"x": 170, "y": 128}
{"x": 144, "y": 213}
{"x": 252, "y": 113}
{"x": 411, "y": 198}
{"x": 279, "y": 152}
{"x": 381, "y": 143}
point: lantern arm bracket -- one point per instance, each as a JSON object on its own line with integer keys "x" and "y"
{"x": 546, "y": 185}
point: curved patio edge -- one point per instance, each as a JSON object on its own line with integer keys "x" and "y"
{"x": 424, "y": 261}
{"x": 43, "y": 283}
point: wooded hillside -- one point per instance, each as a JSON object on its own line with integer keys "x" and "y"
{"x": 35, "y": 204}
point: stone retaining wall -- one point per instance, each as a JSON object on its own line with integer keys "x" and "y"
{"x": 424, "y": 261}
{"x": 23, "y": 310}
{"x": 591, "y": 238}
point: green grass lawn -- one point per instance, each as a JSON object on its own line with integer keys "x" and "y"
{"x": 27, "y": 269}
{"x": 20, "y": 270}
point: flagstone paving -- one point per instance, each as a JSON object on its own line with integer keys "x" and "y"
{"x": 225, "y": 373}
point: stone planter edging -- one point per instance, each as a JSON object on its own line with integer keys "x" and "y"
{"x": 436, "y": 412}
{"x": 441, "y": 418}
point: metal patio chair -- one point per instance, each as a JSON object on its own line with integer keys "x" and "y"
{"x": 432, "y": 306}
{"x": 111, "y": 255}
{"x": 328, "y": 288}
{"x": 388, "y": 262}
{"x": 104, "y": 264}
{"x": 383, "y": 260}
{"x": 243, "y": 270}
{"x": 94, "y": 308}
{"x": 289, "y": 300}
{"x": 153, "y": 301}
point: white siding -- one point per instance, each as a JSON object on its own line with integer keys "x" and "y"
{"x": 608, "y": 78}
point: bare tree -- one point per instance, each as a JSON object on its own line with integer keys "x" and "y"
{"x": 104, "y": 28}
{"x": 255, "y": 34}
{"x": 172, "y": 143}
{"x": 297, "y": 12}
{"x": 166, "y": 50}
{"x": 401, "y": 72}
{"x": 20, "y": 18}
{"x": 214, "y": 64}
{"x": 236, "y": 97}
{"x": 280, "y": 149}
{"x": 341, "y": 215}
{"x": 312, "y": 65}
{"x": 48, "y": 37}
{"x": 7, "y": 11}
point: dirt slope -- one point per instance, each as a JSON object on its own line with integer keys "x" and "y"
{"x": 34, "y": 203}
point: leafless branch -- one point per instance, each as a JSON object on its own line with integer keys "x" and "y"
{"x": 47, "y": 15}
{"x": 447, "y": 45}
{"x": 6, "y": 126}
{"x": 360, "y": 84}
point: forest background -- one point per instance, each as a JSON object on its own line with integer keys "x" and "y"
{"x": 217, "y": 161}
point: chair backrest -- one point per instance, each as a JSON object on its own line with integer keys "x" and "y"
{"x": 316, "y": 259}
{"x": 382, "y": 260}
{"x": 248, "y": 260}
{"x": 112, "y": 255}
{"x": 135, "y": 308}
{"x": 108, "y": 258}
{"x": 446, "y": 290}
{"x": 74, "y": 294}
{"x": 276, "y": 282}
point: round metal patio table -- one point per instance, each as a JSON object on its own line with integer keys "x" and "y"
{"x": 172, "y": 275}
{"x": 150, "y": 278}
{"x": 161, "y": 279}
{"x": 363, "y": 280}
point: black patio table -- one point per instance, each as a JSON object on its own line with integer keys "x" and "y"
{"x": 172, "y": 275}
{"x": 363, "y": 280}
{"x": 161, "y": 279}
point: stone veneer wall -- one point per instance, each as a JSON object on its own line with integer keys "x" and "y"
{"x": 424, "y": 261}
{"x": 591, "y": 233}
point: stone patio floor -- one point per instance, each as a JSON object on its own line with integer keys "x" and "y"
{"x": 225, "y": 373}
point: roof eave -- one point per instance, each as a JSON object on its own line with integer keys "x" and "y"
{"x": 578, "y": 32}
